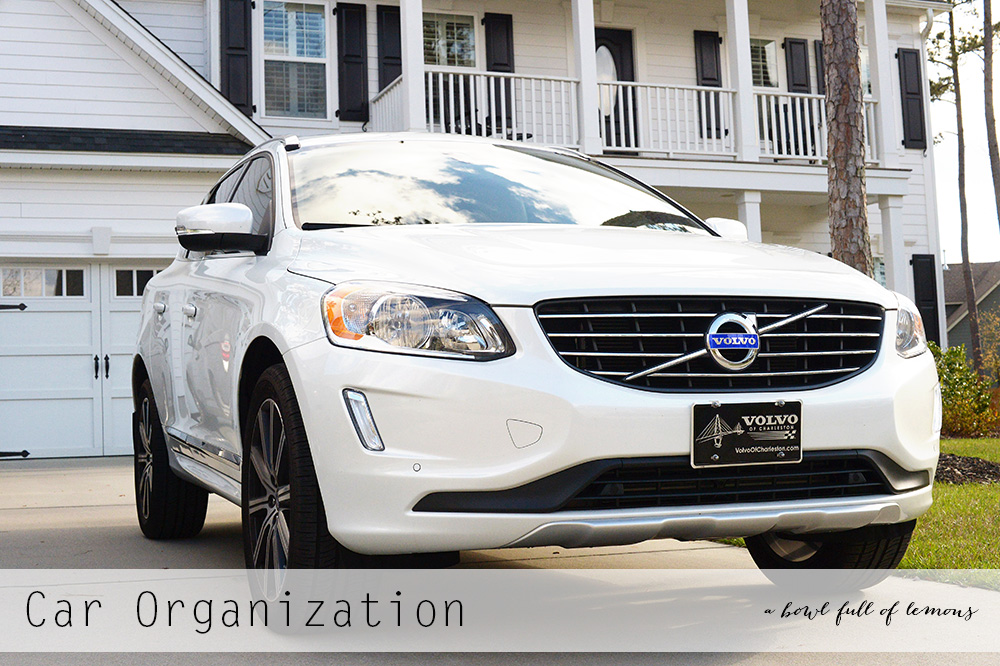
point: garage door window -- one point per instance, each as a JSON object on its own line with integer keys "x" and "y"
{"x": 131, "y": 282}
{"x": 41, "y": 282}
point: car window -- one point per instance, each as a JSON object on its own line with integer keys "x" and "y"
{"x": 225, "y": 188}
{"x": 255, "y": 192}
{"x": 426, "y": 182}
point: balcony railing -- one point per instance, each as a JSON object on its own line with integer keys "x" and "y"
{"x": 386, "y": 108}
{"x": 535, "y": 109}
{"x": 672, "y": 120}
{"x": 792, "y": 126}
{"x": 637, "y": 118}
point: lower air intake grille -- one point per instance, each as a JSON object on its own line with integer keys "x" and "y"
{"x": 639, "y": 485}
{"x": 615, "y": 338}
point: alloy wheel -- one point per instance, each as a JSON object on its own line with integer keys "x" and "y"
{"x": 269, "y": 493}
{"x": 144, "y": 461}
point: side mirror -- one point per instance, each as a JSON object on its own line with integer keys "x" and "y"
{"x": 221, "y": 226}
{"x": 731, "y": 229}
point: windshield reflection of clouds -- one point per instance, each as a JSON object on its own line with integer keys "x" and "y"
{"x": 429, "y": 183}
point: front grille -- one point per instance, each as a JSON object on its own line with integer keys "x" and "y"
{"x": 613, "y": 338}
{"x": 639, "y": 485}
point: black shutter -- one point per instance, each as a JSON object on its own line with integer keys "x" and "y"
{"x": 925, "y": 293}
{"x": 390, "y": 47}
{"x": 820, "y": 67}
{"x": 499, "y": 43}
{"x": 236, "y": 82}
{"x": 708, "y": 64}
{"x": 797, "y": 65}
{"x": 911, "y": 88}
{"x": 352, "y": 58}
{"x": 500, "y": 58}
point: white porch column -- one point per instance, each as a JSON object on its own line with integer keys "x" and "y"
{"x": 881, "y": 65}
{"x": 741, "y": 79}
{"x": 748, "y": 212}
{"x": 411, "y": 30}
{"x": 891, "y": 209}
{"x": 586, "y": 71}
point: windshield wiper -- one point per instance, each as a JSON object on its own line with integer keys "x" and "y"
{"x": 315, "y": 226}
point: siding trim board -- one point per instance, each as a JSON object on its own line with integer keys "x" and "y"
{"x": 78, "y": 139}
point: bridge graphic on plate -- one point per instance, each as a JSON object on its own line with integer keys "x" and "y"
{"x": 717, "y": 429}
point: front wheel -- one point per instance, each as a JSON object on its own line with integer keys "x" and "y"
{"x": 284, "y": 522}
{"x": 872, "y": 550}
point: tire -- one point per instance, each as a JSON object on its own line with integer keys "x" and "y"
{"x": 284, "y": 521}
{"x": 167, "y": 506}
{"x": 871, "y": 551}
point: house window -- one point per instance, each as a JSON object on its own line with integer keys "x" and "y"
{"x": 295, "y": 59}
{"x": 41, "y": 282}
{"x": 764, "y": 62}
{"x": 449, "y": 40}
{"x": 866, "y": 73}
{"x": 132, "y": 282}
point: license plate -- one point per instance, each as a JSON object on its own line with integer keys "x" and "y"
{"x": 749, "y": 433}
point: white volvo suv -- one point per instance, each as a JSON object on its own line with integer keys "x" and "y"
{"x": 403, "y": 344}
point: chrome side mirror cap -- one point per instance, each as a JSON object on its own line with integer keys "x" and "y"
{"x": 219, "y": 226}
{"x": 731, "y": 229}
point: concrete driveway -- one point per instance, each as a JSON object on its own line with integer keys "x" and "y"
{"x": 80, "y": 513}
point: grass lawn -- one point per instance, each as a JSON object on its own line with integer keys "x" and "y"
{"x": 960, "y": 531}
{"x": 987, "y": 449}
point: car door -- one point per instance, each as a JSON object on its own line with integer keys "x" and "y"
{"x": 220, "y": 307}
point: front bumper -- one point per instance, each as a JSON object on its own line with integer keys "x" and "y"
{"x": 459, "y": 426}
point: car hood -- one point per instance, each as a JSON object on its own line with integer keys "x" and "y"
{"x": 524, "y": 264}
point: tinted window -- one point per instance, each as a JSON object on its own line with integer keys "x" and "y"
{"x": 427, "y": 182}
{"x": 225, "y": 188}
{"x": 255, "y": 192}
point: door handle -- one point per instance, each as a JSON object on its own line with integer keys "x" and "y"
{"x": 97, "y": 366}
{"x": 107, "y": 366}
{"x": 190, "y": 310}
{"x": 159, "y": 307}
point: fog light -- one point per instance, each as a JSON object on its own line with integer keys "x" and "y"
{"x": 936, "y": 411}
{"x": 364, "y": 422}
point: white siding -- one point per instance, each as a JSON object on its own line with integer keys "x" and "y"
{"x": 180, "y": 24}
{"x": 51, "y": 212}
{"x": 60, "y": 68}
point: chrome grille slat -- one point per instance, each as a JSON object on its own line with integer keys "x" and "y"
{"x": 612, "y": 338}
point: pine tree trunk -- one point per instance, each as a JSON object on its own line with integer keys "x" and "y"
{"x": 963, "y": 211}
{"x": 848, "y": 203}
{"x": 991, "y": 121}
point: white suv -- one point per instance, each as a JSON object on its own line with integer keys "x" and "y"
{"x": 406, "y": 344}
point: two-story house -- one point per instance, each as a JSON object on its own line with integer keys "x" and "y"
{"x": 115, "y": 115}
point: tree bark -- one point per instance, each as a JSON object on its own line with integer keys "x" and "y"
{"x": 848, "y": 204}
{"x": 963, "y": 211}
{"x": 991, "y": 121}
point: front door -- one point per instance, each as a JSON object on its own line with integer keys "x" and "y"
{"x": 617, "y": 103}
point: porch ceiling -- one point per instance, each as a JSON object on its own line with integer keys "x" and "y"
{"x": 752, "y": 176}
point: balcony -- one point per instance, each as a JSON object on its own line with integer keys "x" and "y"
{"x": 639, "y": 119}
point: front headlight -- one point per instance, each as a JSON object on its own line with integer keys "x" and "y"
{"x": 409, "y": 319}
{"x": 910, "y": 337}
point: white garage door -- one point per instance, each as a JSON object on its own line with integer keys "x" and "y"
{"x": 66, "y": 358}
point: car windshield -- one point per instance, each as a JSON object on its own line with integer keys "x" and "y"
{"x": 427, "y": 182}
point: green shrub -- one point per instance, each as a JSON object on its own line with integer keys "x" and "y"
{"x": 965, "y": 398}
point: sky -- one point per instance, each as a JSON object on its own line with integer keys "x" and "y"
{"x": 984, "y": 229}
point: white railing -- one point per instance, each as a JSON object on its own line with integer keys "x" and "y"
{"x": 793, "y": 126}
{"x": 385, "y": 110}
{"x": 654, "y": 118}
{"x": 535, "y": 109}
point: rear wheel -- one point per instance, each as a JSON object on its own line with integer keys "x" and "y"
{"x": 167, "y": 506}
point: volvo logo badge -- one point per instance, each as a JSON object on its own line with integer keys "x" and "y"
{"x": 744, "y": 342}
